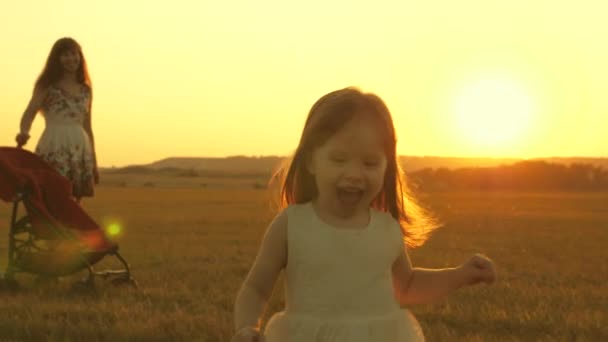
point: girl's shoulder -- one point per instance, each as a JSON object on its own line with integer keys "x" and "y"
{"x": 297, "y": 213}
{"x": 298, "y": 206}
{"x": 383, "y": 217}
{"x": 385, "y": 221}
{"x": 289, "y": 213}
{"x": 280, "y": 220}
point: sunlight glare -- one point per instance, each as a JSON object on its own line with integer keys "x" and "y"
{"x": 493, "y": 111}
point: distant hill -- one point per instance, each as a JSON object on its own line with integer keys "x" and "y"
{"x": 235, "y": 163}
{"x": 266, "y": 164}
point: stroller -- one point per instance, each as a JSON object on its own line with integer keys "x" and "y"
{"x": 54, "y": 237}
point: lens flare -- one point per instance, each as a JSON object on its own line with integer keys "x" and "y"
{"x": 114, "y": 229}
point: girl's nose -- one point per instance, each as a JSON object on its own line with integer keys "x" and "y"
{"x": 354, "y": 172}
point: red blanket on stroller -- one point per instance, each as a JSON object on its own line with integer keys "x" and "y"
{"x": 48, "y": 197}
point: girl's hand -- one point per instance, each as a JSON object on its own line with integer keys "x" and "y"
{"x": 248, "y": 334}
{"x": 478, "y": 269}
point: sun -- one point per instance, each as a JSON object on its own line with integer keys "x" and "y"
{"x": 493, "y": 112}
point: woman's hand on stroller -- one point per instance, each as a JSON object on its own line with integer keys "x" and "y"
{"x": 22, "y": 139}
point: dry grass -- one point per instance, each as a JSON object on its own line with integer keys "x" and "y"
{"x": 190, "y": 248}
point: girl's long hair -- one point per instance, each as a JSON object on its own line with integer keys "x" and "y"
{"x": 292, "y": 183}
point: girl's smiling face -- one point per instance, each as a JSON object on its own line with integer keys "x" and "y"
{"x": 349, "y": 167}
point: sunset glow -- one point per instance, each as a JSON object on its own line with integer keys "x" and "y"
{"x": 193, "y": 78}
{"x": 493, "y": 112}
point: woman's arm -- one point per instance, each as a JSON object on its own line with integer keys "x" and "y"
{"x": 88, "y": 127}
{"x": 419, "y": 285}
{"x": 29, "y": 114}
{"x": 259, "y": 283}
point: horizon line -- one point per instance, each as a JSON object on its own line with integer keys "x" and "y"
{"x": 400, "y": 156}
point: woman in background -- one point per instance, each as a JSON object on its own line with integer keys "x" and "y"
{"x": 63, "y": 94}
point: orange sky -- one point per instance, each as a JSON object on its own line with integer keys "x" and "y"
{"x": 207, "y": 78}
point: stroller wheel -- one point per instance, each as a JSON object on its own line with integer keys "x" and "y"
{"x": 125, "y": 281}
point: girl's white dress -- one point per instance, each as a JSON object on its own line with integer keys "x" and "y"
{"x": 338, "y": 284}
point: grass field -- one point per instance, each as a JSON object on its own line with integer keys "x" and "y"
{"x": 190, "y": 248}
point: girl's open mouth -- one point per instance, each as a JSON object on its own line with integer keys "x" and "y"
{"x": 349, "y": 196}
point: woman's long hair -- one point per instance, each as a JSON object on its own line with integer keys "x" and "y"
{"x": 53, "y": 70}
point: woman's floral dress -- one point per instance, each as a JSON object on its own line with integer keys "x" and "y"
{"x": 65, "y": 144}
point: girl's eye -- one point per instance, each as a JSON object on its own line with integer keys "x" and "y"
{"x": 338, "y": 160}
{"x": 371, "y": 163}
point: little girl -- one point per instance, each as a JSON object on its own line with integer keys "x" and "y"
{"x": 340, "y": 238}
{"x": 63, "y": 94}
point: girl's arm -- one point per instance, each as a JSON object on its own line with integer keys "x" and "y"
{"x": 29, "y": 114}
{"x": 257, "y": 287}
{"x": 419, "y": 285}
